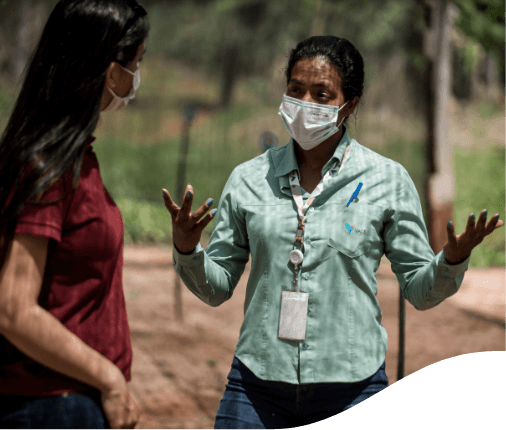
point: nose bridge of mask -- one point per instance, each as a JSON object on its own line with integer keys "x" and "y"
{"x": 310, "y": 106}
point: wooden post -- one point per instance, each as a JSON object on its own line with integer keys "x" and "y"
{"x": 188, "y": 115}
{"x": 180, "y": 188}
{"x": 402, "y": 327}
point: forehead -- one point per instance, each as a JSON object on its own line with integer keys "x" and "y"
{"x": 311, "y": 71}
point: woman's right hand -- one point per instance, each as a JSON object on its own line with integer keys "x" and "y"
{"x": 120, "y": 407}
{"x": 187, "y": 227}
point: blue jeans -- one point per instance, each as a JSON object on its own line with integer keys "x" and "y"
{"x": 252, "y": 403}
{"x": 72, "y": 410}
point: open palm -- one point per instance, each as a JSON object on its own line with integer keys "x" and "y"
{"x": 459, "y": 247}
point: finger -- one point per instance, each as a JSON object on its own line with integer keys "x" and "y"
{"x": 471, "y": 222}
{"x": 202, "y": 224}
{"x": 199, "y": 213}
{"x": 186, "y": 205}
{"x": 450, "y": 230}
{"x": 169, "y": 204}
{"x": 135, "y": 413}
{"x": 492, "y": 225}
{"x": 480, "y": 225}
{"x": 499, "y": 224}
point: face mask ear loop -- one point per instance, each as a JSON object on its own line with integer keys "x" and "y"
{"x": 132, "y": 73}
{"x": 339, "y": 126}
{"x": 113, "y": 93}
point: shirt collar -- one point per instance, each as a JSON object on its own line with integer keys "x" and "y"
{"x": 285, "y": 161}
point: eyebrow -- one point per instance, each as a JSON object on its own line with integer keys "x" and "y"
{"x": 320, "y": 84}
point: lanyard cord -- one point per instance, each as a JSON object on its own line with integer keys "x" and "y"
{"x": 297, "y": 194}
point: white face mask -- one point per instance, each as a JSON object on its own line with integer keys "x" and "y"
{"x": 117, "y": 102}
{"x": 309, "y": 123}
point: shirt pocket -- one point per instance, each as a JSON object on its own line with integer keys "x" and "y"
{"x": 356, "y": 229}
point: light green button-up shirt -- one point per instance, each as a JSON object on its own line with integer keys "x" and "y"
{"x": 345, "y": 341}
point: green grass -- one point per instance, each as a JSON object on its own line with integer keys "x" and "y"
{"x": 135, "y": 175}
{"x": 146, "y": 223}
{"x": 412, "y": 156}
{"x": 479, "y": 178}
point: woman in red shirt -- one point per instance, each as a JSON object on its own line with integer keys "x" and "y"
{"x": 64, "y": 338}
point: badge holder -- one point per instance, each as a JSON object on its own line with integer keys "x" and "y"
{"x": 294, "y": 305}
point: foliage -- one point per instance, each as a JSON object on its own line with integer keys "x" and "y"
{"x": 483, "y": 21}
{"x": 199, "y": 34}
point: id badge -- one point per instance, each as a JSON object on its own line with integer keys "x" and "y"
{"x": 293, "y": 316}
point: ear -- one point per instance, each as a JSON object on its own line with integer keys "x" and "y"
{"x": 350, "y": 107}
{"x": 112, "y": 75}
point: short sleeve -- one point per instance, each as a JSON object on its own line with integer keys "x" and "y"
{"x": 46, "y": 217}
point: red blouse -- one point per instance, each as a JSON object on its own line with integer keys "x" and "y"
{"x": 82, "y": 284}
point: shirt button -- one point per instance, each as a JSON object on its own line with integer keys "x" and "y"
{"x": 311, "y": 209}
{"x": 304, "y": 347}
{"x": 305, "y": 276}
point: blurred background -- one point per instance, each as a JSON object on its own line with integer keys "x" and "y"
{"x": 218, "y": 65}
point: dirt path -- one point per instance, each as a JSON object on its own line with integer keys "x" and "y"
{"x": 179, "y": 369}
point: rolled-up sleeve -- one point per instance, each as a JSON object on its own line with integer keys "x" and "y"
{"x": 213, "y": 274}
{"x": 425, "y": 279}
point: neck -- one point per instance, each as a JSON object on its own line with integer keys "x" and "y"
{"x": 314, "y": 159}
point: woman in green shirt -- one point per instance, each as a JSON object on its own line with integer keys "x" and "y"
{"x": 316, "y": 215}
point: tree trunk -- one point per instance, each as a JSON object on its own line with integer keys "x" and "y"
{"x": 492, "y": 76}
{"x": 442, "y": 181}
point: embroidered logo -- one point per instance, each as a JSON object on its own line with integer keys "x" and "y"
{"x": 349, "y": 227}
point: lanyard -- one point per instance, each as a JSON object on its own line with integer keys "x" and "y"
{"x": 296, "y": 255}
{"x": 297, "y": 193}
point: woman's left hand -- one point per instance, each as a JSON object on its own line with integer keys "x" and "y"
{"x": 458, "y": 248}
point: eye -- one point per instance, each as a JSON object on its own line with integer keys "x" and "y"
{"x": 324, "y": 96}
{"x": 294, "y": 89}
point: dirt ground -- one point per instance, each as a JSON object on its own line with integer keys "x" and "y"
{"x": 180, "y": 369}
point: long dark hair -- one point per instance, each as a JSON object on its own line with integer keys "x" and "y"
{"x": 340, "y": 53}
{"x": 58, "y": 107}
